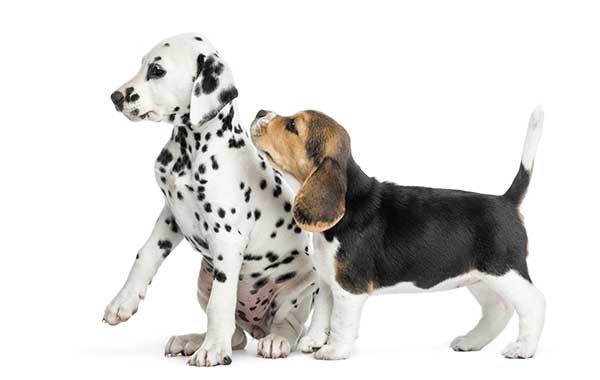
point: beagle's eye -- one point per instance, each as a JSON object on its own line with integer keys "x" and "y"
{"x": 155, "y": 71}
{"x": 269, "y": 155}
{"x": 291, "y": 126}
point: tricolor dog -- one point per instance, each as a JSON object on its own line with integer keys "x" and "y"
{"x": 379, "y": 237}
{"x": 226, "y": 200}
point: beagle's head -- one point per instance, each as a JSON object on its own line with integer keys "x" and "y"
{"x": 314, "y": 149}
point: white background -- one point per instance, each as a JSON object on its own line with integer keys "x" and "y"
{"x": 432, "y": 93}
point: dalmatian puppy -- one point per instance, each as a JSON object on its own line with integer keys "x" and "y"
{"x": 226, "y": 200}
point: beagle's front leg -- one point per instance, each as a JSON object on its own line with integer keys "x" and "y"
{"x": 345, "y": 321}
{"x": 220, "y": 310}
{"x": 164, "y": 238}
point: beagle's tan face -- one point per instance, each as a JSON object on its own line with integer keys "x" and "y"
{"x": 314, "y": 149}
{"x": 283, "y": 139}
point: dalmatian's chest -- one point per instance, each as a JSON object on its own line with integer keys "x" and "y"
{"x": 191, "y": 172}
{"x": 218, "y": 186}
{"x": 175, "y": 177}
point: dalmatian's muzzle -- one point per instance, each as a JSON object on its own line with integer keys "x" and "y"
{"x": 126, "y": 103}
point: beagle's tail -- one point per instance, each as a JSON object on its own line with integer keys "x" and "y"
{"x": 517, "y": 190}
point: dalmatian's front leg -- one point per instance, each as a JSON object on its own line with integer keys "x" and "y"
{"x": 216, "y": 348}
{"x": 164, "y": 238}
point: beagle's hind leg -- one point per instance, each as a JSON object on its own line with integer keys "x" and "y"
{"x": 530, "y": 305}
{"x": 495, "y": 315}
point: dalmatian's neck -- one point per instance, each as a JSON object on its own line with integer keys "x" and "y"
{"x": 179, "y": 116}
{"x": 224, "y": 120}
{"x": 190, "y": 144}
{"x": 194, "y": 138}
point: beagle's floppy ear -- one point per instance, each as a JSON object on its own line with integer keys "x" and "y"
{"x": 321, "y": 201}
{"x": 213, "y": 88}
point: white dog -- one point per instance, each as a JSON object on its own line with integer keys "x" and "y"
{"x": 225, "y": 199}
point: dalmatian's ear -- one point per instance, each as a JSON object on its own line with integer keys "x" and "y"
{"x": 321, "y": 201}
{"x": 212, "y": 90}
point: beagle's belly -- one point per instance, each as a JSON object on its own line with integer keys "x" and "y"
{"x": 325, "y": 262}
{"x": 449, "y": 284}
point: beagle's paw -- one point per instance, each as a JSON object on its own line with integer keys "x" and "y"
{"x": 333, "y": 352}
{"x": 211, "y": 353}
{"x": 184, "y": 345}
{"x": 273, "y": 347}
{"x": 466, "y": 343}
{"x": 519, "y": 350}
{"x": 123, "y": 306}
{"x": 309, "y": 343}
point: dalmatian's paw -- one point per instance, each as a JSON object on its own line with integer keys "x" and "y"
{"x": 466, "y": 343}
{"x": 123, "y": 306}
{"x": 333, "y": 352}
{"x": 211, "y": 353}
{"x": 309, "y": 343}
{"x": 519, "y": 350}
{"x": 273, "y": 347}
{"x": 184, "y": 345}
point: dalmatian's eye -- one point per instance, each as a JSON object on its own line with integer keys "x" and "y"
{"x": 155, "y": 71}
{"x": 291, "y": 126}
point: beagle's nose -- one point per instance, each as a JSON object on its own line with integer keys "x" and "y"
{"x": 261, "y": 113}
{"x": 118, "y": 98}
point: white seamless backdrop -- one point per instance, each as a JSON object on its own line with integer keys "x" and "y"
{"x": 433, "y": 93}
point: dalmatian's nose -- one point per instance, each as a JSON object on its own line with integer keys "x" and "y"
{"x": 118, "y": 98}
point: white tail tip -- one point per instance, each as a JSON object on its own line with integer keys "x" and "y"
{"x": 534, "y": 132}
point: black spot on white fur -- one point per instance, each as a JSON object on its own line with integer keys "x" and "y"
{"x": 188, "y": 172}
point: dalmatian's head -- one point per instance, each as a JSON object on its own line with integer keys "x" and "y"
{"x": 182, "y": 79}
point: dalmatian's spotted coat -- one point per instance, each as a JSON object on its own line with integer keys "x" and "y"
{"x": 226, "y": 200}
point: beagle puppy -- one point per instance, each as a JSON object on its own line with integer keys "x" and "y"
{"x": 375, "y": 237}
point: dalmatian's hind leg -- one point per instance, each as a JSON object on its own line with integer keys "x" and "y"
{"x": 285, "y": 333}
{"x": 186, "y": 345}
{"x": 318, "y": 332}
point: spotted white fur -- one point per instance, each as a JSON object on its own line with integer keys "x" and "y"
{"x": 223, "y": 197}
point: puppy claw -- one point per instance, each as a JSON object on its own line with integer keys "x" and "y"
{"x": 273, "y": 347}
{"x": 211, "y": 354}
{"x": 465, "y": 344}
{"x": 333, "y": 352}
{"x": 184, "y": 345}
{"x": 122, "y": 307}
{"x": 519, "y": 350}
{"x": 309, "y": 344}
